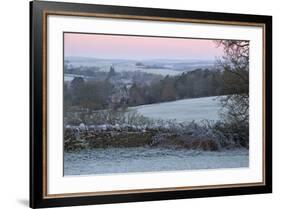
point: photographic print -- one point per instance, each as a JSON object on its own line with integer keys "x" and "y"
{"x": 153, "y": 103}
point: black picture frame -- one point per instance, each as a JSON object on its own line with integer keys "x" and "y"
{"x": 38, "y": 87}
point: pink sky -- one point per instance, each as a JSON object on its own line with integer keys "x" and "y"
{"x": 135, "y": 47}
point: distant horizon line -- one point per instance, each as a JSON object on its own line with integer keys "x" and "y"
{"x": 141, "y": 59}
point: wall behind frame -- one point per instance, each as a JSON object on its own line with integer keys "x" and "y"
{"x": 14, "y": 105}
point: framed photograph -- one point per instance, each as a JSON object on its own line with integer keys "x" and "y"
{"x": 139, "y": 104}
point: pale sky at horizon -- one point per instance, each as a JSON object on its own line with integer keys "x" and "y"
{"x": 137, "y": 47}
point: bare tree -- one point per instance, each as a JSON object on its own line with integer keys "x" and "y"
{"x": 235, "y": 78}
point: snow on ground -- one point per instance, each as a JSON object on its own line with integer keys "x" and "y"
{"x": 185, "y": 110}
{"x": 124, "y": 160}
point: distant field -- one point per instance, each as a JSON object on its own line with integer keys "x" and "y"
{"x": 185, "y": 110}
{"x": 172, "y": 67}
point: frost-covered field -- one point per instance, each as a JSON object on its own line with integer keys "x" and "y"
{"x": 150, "y": 159}
{"x": 185, "y": 110}
{"x": 124, "y": 160}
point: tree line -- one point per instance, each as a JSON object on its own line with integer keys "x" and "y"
{"x": 193, "y": 84}
{"x": 104, "y": 94}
